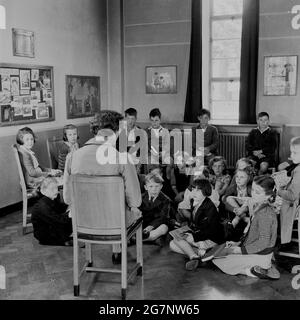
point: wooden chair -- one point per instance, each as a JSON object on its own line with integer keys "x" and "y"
{"x": 52, "y": 150}
{"x": 296, "y": 229}
{"x": 99, "y": 221}
{"x": 27, "y": 193}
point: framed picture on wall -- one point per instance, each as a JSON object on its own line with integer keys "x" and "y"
{"x": 161, "y": 79}
{"x": 280, "y": 75}
{"x": 23, "y": 43}
{"x": 83, "y": 96}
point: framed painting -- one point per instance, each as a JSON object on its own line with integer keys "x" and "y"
{"x": 23, "y": 43}
{"x": 280, "y": 75}
{"x": 82, "y": 95}
{"x": 161, "y": 79}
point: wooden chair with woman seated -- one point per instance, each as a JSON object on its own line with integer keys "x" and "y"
{"x": 99, "y": 221}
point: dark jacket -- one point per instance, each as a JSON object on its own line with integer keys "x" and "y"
{"x": 51, "y": 224}
{"x": 157, "y": 212}
{"x": 211, "y": 139}
{"x": 206, "y": 223}
{"x": 266, "y": 141}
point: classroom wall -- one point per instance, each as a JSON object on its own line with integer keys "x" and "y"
{"x": 71, "y": 36}
{"x": 277, "y": 37}
{"x": 156, "y": 33}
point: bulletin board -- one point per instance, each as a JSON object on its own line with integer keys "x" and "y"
{"x": 26, "y": 94}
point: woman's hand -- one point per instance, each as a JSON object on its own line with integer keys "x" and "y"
{"x": 231, "y": 244}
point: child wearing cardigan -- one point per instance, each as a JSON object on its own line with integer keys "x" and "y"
{"x": 252, "y": 255}
{"x": 290, "y": 194}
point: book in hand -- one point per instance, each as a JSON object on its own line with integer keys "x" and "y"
{"x": 180, "y": 233}
{"x": 281, "y": 178}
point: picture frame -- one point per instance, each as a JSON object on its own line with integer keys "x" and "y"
{"x": 82, "y": 96}
{"x": 24, "y": 103}
{"x": 23, "y": 43}
{"x": 161, "y": 79}
{"x": 280, "y": 75}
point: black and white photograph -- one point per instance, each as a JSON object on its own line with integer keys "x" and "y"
{"x": 149, "y": 153}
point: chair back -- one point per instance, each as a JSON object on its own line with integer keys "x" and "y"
{"x": 52, "y": 150}
{"x": 20, "y": 166}
{"x": 98, "y": 204}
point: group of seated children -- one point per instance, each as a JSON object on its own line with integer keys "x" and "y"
{"x": 219, "y": 215}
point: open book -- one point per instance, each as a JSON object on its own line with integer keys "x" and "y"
{"x": 281, "y": 179}
{"x": 180, "y": 233}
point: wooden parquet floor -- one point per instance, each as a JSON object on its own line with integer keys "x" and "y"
{"x": 45, "y": 272}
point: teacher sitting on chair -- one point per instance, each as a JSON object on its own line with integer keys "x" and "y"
{"x": 99, "y": 157}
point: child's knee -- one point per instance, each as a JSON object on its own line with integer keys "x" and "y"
{"x": 164, "y": 228}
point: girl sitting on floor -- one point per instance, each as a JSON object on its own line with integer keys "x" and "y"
{"x": 235, "y": 196}
{"x": 219, "y": 177}
{"x": 206, "y": 229}
{"x": 252, "y": 255}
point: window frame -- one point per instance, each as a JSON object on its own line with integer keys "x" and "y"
{"x": 212, "y": 79}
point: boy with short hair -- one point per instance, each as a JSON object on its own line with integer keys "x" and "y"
{"x": 158, "y": 138}
{"x": 211, "y": 136}
{"x": 261, "y": 143}
{"x": 51, "y": 223}
{"x": 290, "y": 194}
{"x": 155, "y": 209}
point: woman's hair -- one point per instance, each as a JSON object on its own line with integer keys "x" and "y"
{"x": 268, "y": 184}
{"x": 105, "y": 119}
{"x": 155, "y": 177}
{"x": 69, "y": 127}
{"x": 204, "y": 185}
{"x": 21, "y": 133}
{"x": 295, "y": 141}
{"x": 217, "y": 159}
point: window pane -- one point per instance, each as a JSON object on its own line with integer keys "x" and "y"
{"x": 223, "y": 7}
{"x": 227, "y": 29}
{"x": 226, "y": 68}
{"x": 226, "y": 48}
{"x": 225, "y": 110}
{"x": 225, "y": 90}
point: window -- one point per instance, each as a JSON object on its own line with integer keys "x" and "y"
{"x": 225, "y": 54}
{"x": 2, "y": 17}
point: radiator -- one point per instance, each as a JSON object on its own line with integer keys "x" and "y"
{"x": 232, "y": 147}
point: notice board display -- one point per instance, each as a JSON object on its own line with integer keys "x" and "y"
{"x": 26, "y": 94}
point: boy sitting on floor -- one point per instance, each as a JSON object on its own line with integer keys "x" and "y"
{"x": 51, "y": 223}
{"x": 155, "y": 209}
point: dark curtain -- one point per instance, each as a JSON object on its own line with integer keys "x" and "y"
{"x": 249, "y": 59}
{"x": 193, "y": 101}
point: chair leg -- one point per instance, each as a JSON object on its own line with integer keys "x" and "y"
{"x": 75, "y": 267}
{"x": 299, "y": 234}
{"x": 139, "y": 251}
{"x": 88, "y": 254}
{"x": 25, "y": 204}
{"x": 124, "y": 269}
{"x": 76, "y": 291}
{"x": 123, "y": 294}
